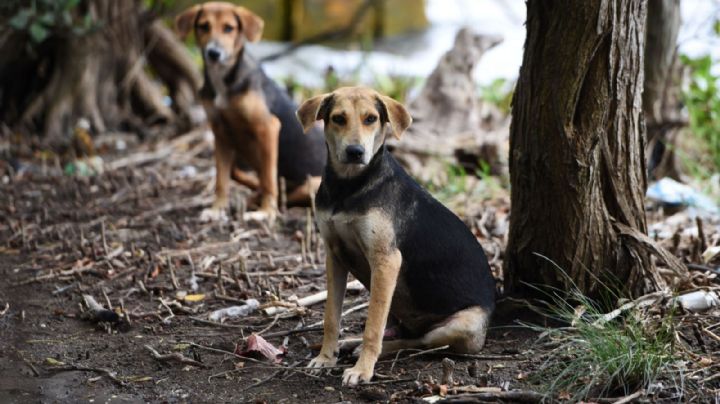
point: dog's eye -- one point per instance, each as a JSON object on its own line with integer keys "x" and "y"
{"x": 204, "y": 27}
{"x": 338, "y": 119}
{"x": 370, "y": 119}
{"x": 227, "y": 28}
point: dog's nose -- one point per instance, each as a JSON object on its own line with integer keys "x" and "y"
{"x": 354, "y": 153}
{"x": 213, "y": 54}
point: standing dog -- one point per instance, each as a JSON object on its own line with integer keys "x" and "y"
{"x": 422, "y": 265}
{"x": 251, "y": 117}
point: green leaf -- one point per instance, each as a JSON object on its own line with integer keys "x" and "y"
{"x": 20, "y": 20}
{"x": 70, "y": 4}
{"x": 716, "y": 27}
{"x": 66, "y": 18}
{"x": 87, "y": 21}
{"x": 38, "y": 32}
{"x": 47, "y": 19}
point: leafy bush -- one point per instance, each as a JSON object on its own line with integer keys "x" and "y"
{"x": 41, "y": 19}
{"x": 499, "y": 93}
{"x": 702, "y": 100}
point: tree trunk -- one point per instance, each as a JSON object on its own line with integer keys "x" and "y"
{"x": 577, "y": 160}
{"x": 100, "y": 75}
{"x": 661, "y": 98}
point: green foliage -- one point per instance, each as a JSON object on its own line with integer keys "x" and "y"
{"x": 455, "y": 184}
{"x": 40, "y": 19}
{"x": 499, "y": 93}
{"x": 396, "y": 87}
{"x": 702, "y": 100}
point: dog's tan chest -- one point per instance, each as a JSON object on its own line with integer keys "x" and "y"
{"x": 357, "y": 241}
{"x": 340, "y": 232}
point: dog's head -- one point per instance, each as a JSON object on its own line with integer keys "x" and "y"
{"x": 221, "y": 29}
{"x": 356, "y": 120}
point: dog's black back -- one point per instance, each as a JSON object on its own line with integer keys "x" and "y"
{"x": 299, "y": 154}
{"x": 444, "y": 268}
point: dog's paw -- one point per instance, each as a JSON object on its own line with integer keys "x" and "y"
{"x": 257, "y": 216}
{"x": 213, "y": 215}
{"x": 356, "y": 375}
{"x": 321, "y": 361}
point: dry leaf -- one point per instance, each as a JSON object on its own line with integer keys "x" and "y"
{"x": 194, "y": 298}
{"x": 53, "y": 362}
{"x": 257, "y": 346}
{"x": 155, "y": 272}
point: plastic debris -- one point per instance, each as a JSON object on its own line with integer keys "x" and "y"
{"x": 698, "y": 301}
{"x": 674, "y": 193}
{"x": 710, "y": 253}
{"x": 187, "y": 171}
{"x": 85, "y": 167}
{"x": 235, "y": 311}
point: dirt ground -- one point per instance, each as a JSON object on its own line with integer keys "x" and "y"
{"x": 131, "y": 238}
{"x": 118, "y": 234}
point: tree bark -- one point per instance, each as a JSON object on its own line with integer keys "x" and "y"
{"x": 661, "y": 98}
{"x": 99, "y": 75}
{"x": 577, "y": 159}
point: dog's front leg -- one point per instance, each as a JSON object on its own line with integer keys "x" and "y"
{"x": 224, "y": 160}
{"x": 385, "y": 268}
{"x": 336, "y": 284}
{"x": 270, "y": 135}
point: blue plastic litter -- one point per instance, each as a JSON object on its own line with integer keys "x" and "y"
{"x": 671, "y": 192}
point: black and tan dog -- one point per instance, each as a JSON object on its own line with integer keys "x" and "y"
{"x": 252, "y": 119}
{"x": 422, "y": 265}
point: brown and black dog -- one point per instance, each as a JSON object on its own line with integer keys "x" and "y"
{"x": 424, "y": 268}
{"x": 253, "y": 120}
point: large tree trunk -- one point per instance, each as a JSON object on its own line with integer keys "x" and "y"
{"x": 100, "y": 75}
{"x": 661, "y": 98}
{"x": 577, "y": 160}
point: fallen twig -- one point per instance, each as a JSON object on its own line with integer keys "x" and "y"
{"x": 5, "y": 310}
{"x": 176, "y": 356}
{"x": 312, "y": 299}
{"x": 631, "y": 397}
{"x": 345, "y": 313}
{"x": 518, "y": 396}
{"x": 263, "y": 364}
{"x": 69, "y": 272}
{"x": 104, "y": 371}
{"x": 293, "y": 331}
{"x": 277, "y": 316}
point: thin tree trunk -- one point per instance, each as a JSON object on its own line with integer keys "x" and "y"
{"x": 661, "y": 98}
{"x": 577, "y": 159}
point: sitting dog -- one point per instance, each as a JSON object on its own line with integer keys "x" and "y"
{"x": 252, "y": 119}
{"x": 422, "y": 265}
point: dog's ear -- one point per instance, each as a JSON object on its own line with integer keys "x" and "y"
{"x": 185, "y": 21}
{"x": 252, "y": 25}
{"x": 395, "y": 113}
{"x": 314, "y": 109}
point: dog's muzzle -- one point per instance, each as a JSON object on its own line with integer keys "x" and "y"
{"x": 354, "y": 154}
{"x": 214, "y": 53}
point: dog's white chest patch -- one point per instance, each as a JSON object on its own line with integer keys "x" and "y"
{"x": 216, "y": 74}
{"x": 359, "y": 233}
{"x": 337, "y": 227}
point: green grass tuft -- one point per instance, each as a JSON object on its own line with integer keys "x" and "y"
{"x": 599, "y": 357}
